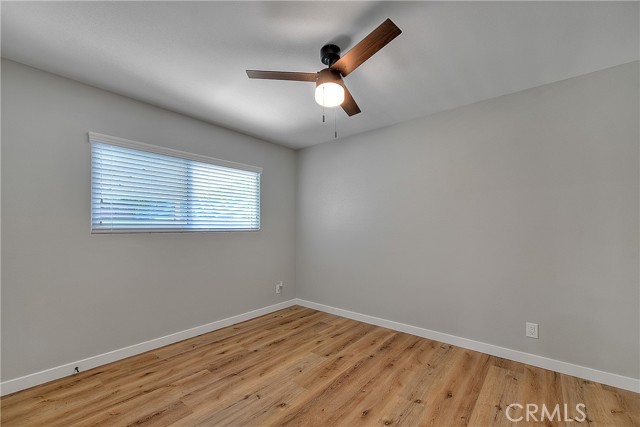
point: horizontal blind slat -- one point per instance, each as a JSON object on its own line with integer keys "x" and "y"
{"x": 132, "y": 158}
{"x": 169, "y": 170}
{"x": 123, "y": 181}
{"x": 134, "y": 190}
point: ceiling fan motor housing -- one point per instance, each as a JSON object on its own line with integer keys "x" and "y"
{"x": 328, "y": 76}
{"x": 329, "y": 54}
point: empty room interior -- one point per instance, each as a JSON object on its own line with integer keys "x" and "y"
{"x": 347, "y": 213}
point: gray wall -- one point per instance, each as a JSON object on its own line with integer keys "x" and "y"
{"x": 469, "y": 222}
{"x": 67, "y": 294}
{"x": 473, "y": 221}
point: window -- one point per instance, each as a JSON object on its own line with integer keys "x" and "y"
{"x": 137, "y": 187}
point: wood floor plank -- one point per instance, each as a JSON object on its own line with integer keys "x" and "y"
{"x": 573, "y": 395}
{"x": 449, "y": 400}
{"x": 53, "y": 403}
{"x": 372, "y": 393}
{"x": 314, "y": 409}
{"x": 367, "y": 408}
{"x": 499, "y": 390}
{"x": 175, "y": 412}
{"x": 301, "y": 367}
{"x": 541, "y": 387}
{"x": 631, "y": 403}
{"x": 604, "y": 406}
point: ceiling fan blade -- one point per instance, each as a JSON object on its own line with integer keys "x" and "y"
{"x": 349, "y": 104}
{"x": 282, "y": 75}
{"x": 367, "y": 47}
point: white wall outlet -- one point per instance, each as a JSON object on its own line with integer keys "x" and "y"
{"x": 279, "y": 286}
{"x": 532, "y": 330}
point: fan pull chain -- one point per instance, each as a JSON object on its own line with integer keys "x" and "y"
{"x": 335, "y": 125}
{"x": 323, "y": 104}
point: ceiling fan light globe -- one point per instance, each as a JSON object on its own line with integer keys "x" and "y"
{"x": 329, "y": 94}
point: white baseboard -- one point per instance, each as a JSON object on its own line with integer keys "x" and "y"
{"x": 42, "y": 377}
{"x": 615, "y": 380}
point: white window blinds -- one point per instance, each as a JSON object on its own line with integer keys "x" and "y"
{"x": 137, "y": 187}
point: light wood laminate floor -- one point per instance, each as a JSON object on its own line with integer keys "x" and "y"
{"x": 301, "y": 367}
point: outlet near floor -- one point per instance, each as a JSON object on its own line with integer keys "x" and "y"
{"x": 532, "y": 330}
{"x": 279, "y": 287}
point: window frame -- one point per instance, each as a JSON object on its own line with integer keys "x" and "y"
{"x": 95, "y": 137}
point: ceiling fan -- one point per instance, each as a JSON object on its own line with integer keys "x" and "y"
{"x": 330, "y": 88}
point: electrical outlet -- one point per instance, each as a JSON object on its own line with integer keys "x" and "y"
{"x": 532, "y": 330}
{"x": 279, "y": 286}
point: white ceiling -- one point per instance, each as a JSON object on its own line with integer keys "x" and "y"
{"x": 191, "y": 57}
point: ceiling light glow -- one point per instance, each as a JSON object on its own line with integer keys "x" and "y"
{"x": 329, "y": 94}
